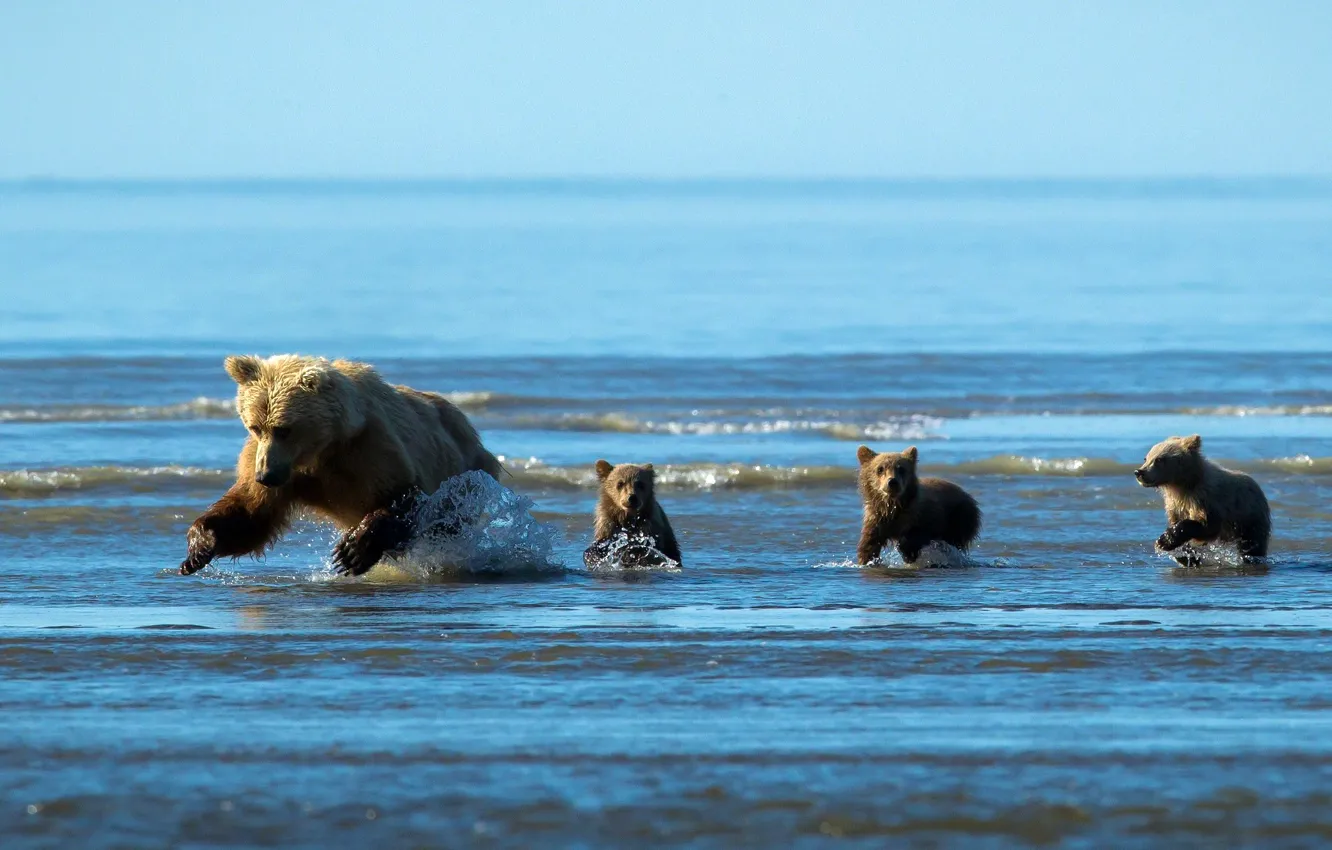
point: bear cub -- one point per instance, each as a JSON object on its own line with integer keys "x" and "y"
{"x": 1204, "y": 502}
{"x": 627, "y": 504}
{"x": 909, "y": 511}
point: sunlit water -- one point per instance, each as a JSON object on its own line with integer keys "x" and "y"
{"x": 1062, "y": 683}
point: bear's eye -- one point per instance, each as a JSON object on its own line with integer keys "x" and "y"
{"x": 638, "y": 485}
{"x": 883, "y": 469}
{"x": 281, "y": 433}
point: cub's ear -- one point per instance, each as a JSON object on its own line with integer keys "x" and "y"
{"x": 865, "y": 454}
{"x": 243, "y": 368}
{"x": 651, "y": 473}
{"x": 911, "y": 454}
{"x": 603, "y": 469}
{"x": 647, "y": 467}
{"x": 1194, "y": 443}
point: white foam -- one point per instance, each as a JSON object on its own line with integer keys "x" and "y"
{"x": 473, "y": 524}
{"x": 633, "y": 552}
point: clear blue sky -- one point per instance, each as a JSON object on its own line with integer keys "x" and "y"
{"x": 475, "y": 89}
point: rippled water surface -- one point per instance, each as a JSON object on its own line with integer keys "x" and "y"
{"x": 1065, "y": 685}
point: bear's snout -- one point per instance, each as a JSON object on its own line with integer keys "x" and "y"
{"x": 1141, "y": 474}
{"x": 272, "y": 477}
{"x": 894, "y": 485}
{"x": 634, "y": 502}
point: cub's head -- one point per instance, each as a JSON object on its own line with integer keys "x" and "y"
{"x": 627, "y": 487}
{"x": 889, "y": 474}
{"x": 1177, "y": 460}
{"x": 294, "y": 407}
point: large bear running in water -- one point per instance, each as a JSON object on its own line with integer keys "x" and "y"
{"x": 333, "y": 437}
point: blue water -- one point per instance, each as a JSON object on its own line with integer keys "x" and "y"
{"x": 1067, "y": 686}
{"x": 691, "y": 269}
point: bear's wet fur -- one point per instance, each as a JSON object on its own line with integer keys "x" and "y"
{"x": 334, "y": 438}
{"x": 1205, "y": 502}
{"x": 627, "y": 505}
{"x": 908, "y": 511}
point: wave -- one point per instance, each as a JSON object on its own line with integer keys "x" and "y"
{"x": 737, "y": 476}
{"x": 199, "y": 408}
{"x": 1260, "y": 410}
{"x": 881, "y": 419}
{"x": 29, "y": 483}
{"x": 903, "y": 428}
{"x": 202, "y": 407}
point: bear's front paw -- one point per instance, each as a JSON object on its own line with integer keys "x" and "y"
{"x": 354, "y": 556}
{"x": 363, "y": 546}
{"x": 1168, "y": 542}
{"x": 202, "y": 550}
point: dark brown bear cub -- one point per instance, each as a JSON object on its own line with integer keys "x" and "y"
{"x": 628, "y": 508}
{"x": 909, "y": 511}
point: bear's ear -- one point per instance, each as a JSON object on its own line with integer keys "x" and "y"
{"x": 603, "y": 469}
{"x": 314, "y": 380}
{"x": 911, "y": 454}
{"x": 1194, "y": 443}
{"x": 864, "y": 454}
{"x": 243, "y": 368}
{"x": 651, "y": 473}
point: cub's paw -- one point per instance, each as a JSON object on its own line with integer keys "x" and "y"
{"x": 1168, "y": 542}
{"x": 910, "y": 554}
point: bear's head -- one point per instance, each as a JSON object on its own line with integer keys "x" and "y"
{"x": 887, "y": 475}
{"x": 1177, "y": 461}
{"x": 294, "y": 407}
{"x": 627, "y": 489}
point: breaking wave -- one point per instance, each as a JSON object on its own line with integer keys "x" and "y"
{"x": 27, "y": 483}
{"x": 202, "y": 407}
{"x": 903, "y": 428}
{"x": 1272, "y": 410}
{"x": 199, "y": 408}
{"x": 532, "y": 472}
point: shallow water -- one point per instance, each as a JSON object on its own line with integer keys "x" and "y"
{"x": 1066, "y": 686}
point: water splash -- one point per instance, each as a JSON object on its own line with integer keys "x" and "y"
{"x": 1213, "y": 558}
{"x": 933, "y": 555}
{"x": 474, "y": 525}
{"x": 635, "y": 552}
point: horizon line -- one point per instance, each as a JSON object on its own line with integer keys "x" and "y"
{"x": 1180, "y": 177}
{"x": 1210, "y": 187}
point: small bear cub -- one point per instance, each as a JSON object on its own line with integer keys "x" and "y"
{"x": 910, "y": 511}
{"x": 628, "y": 507}
{"x": 1204, "y": 502}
